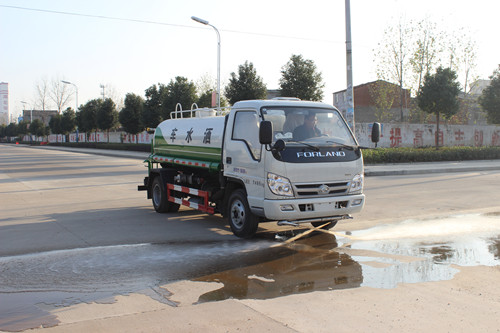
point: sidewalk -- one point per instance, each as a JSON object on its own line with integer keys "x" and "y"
{"x": 371, "y": 170}
{"x": 103, "y": 152}
{"x": 430, "y": 167}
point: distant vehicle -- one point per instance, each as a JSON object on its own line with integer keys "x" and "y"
{"x": 245, "y": 164}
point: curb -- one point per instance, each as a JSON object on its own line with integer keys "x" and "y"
{"x": 369, "y": 173}
{"x": 370, "y": 170}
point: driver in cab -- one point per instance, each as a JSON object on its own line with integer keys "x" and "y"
{"x": 308, "y": 129}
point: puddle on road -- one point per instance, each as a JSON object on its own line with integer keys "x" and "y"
{"x": 381, "y": 257}
{"x": 384, "y": 256}
{"x": 32, "y": 285}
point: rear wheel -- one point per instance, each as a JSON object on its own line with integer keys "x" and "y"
{"x": 326, "y": 227}
{"x": 243, "y": 223}
{"x": 159, "y": 198}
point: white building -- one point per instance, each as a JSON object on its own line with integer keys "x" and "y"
{"x": 4, "y": 103}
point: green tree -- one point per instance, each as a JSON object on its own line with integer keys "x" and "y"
{"x": 154, "y": 108}
{"x": 490, "y": 98}
{"x": 107, "y": 116}
{"x": 37, "y": 128}
{"x": 246, "y": 85}
{"x": 131, "y": 115}
{"x": 87, "y": 116}
{"x": 55, "y": 124}
{"x": 205, "y": 100}
{"x": 11, "y": 130}
{"x": 180, "y": 90}
{"x": 439, "y": 95}
{"x": 80, "y": 122}
{"x": 68, "y": 121}
{"x": 300, "y": 78}
{"x": 22, "y": 128}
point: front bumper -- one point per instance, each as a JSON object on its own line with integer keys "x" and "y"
{"x": 303, "y": 210}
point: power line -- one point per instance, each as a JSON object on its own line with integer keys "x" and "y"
{"x": 95, "y": 16}
{"x": 164, "y": 24}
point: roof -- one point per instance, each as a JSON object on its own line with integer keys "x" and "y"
{"x": 367, "y": 84}
{"x": 259, "y": 103}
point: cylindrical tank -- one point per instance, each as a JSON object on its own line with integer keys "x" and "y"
{"x": 189, "y": 141}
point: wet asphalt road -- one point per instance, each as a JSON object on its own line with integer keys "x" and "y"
{"x": 74, "y": 229}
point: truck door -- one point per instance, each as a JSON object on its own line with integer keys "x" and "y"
{"x": 243, "y": 155}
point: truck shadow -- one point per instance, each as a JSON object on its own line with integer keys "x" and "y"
{"x": 310, "y": 264}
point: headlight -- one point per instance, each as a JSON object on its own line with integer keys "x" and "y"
{"x": 279, "y": 185}
{"x": 356, "y": 186}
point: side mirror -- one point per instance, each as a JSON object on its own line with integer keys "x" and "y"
{"x": 278, "y": 147}
{"x": 376, "y": 133}
{"x": 266, "y": 132}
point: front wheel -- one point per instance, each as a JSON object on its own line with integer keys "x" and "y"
{"x": 159, "y": 198}
{"x": 243, "y": 223}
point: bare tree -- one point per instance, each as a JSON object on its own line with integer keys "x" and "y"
{"x": 42, "y": 94}
{"x": 112, "y": 92}
{"x": 462, "y": 50}
{"x": 428, "y": 47}
{"x": 393, "y": 56}
{"x": 59, "y": 94}
{"x": 206, "y": 83}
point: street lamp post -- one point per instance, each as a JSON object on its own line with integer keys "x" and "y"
{"x": 31, "y": 112}
{"x": 76, "y": 99}
{"x": 199, "y": 20}
{"x": 24, "y": 107}
{"x": 76, "y": 89}
{"x": 31, "y": 120}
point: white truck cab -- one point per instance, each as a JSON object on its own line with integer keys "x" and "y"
{"x": 313, "y": 180}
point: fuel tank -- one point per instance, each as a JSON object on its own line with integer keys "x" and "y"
{"x": 193, "y": 141}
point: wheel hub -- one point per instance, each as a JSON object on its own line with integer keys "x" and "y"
{"x": 237, "y": 214}
{"x": 157, "y": 195}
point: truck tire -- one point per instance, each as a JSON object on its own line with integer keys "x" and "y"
{"x": 326, "y": 227}
{"x": 159, "y": 198}
{"x": 243, "y": 223}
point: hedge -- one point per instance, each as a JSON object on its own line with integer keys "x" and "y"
{"x": 409, "y": 155}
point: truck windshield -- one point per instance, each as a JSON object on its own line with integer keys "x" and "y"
{"x": 315, "y": 126}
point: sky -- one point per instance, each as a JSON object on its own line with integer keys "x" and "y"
{"x": 129, "y": 45}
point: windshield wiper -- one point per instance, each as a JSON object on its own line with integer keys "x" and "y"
{"x": 343, "y": 145}
{"x": 314, "y": 148}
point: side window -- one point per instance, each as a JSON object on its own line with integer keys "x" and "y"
{"x": 246, "y": 128}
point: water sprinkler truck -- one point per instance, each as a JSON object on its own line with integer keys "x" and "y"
{"x": 248, "y": 164}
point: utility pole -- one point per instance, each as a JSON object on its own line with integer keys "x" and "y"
{"x": 102, "y": 87}
{"x": 348, "y": 45}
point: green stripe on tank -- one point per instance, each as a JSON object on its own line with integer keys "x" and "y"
{"x": 199, "y": 153}
{"x": 173, "y": 161}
